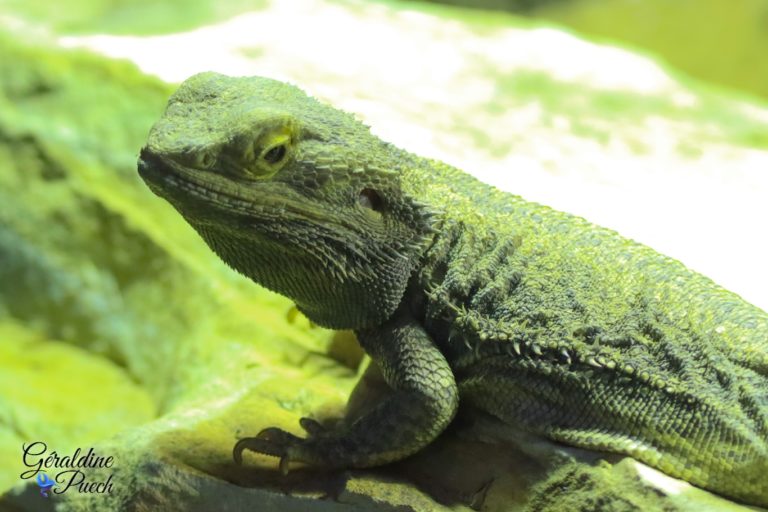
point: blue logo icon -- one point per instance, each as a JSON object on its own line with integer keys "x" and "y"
{"x": 45, "y": 483}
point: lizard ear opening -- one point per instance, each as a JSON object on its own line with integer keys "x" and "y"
{"x": 371, "y": 199}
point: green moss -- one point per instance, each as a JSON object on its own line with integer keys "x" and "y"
{"x": 577, "y": 487}
{"x": 60, "y": 394}
{"x": 582, "y": 487}
{"x": 60, "y": 97}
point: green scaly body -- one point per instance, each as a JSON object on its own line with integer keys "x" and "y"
{"x": 464, "y": 294}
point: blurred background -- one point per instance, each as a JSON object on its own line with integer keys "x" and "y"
{"x": 649, "y": 117}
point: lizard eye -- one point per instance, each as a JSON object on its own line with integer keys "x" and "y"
{"x": 371, "y": 199}
{"x": 273, "y": 151}
{"x": 275, "y": 154}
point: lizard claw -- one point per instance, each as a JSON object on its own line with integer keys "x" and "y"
{"x": 270, "y": 441}
{"x": 311, "y": 427}
{"x": 277, "y": 443}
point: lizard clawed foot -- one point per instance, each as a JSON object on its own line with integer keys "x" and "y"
{"x": 279, "y": 443}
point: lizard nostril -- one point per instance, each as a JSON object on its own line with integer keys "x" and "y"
{"x": 144, "y": 153}
{"x": 206, "y": 160}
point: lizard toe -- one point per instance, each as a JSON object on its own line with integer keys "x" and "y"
{"x": 311, "y": 427}
{"x": 270, "y": 441}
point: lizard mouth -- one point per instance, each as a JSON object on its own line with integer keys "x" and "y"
{"x": 156, "y": 172}
{"x": 164, "y": 178}
{"x": 203, "y": 198}
{"x": 206, "y": 195}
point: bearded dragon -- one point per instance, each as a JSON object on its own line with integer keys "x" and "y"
{"x": 463, "y": 294}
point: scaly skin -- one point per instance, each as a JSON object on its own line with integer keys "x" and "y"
{"x": 462, "y": 293}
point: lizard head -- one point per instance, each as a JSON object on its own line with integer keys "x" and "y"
{"x": 294, "y": 194}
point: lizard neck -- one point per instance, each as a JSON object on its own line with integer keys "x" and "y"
{"x": 464, "y": 274}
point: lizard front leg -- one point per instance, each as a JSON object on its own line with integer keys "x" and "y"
{"x": 423, "y": 402}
